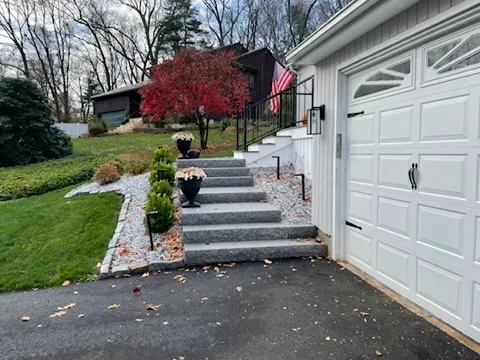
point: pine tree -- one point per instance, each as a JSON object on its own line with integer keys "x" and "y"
{"x": 182, "y": 29}
{"x": 86, "y": 101}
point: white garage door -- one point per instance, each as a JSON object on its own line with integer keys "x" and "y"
{"x": 420, "y": 226}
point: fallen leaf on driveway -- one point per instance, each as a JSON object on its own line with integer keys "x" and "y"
{"x": 58, "y": 314}
{"x": 219, "y": 275}
{"x": 26, "y": 318}
{"x": 180, "y": 278}
{"x": 231, "y": 265}
{"x": 206, "y": 268}
{"x": 337, "y": 301}
{"x": 99, "y": 265}
{"x": 145, "y": 275}
{"x": 152, "y": 307}
{"x": 138, "y": 320}
{"x": 114, "y": 306}
{"x": 327, "y": 338}
{"x": 267, "y": 261}
{"x": 66, "y": 283}
{"x": 239, "y": 288}
{"x": 216, "y": 268}
{"x": 66, "y": 307}
{"x": 165, "y": 323}
{"x": 378, "y": 353}
{"x": 81, "y": 316}
{"x": 205, "y": 298}
{"x": 136, "y": 291}
{"x": 364, "y": 313}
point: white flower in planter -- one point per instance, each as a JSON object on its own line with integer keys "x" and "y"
{"x": 183, "y": 136}
{"x": 191, "y": 173}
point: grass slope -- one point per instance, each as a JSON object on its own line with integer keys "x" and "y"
{"x": 35, "y": 179}
{"x": 47, "y": 239}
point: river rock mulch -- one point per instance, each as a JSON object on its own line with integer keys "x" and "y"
{"x": 286, "y": 193}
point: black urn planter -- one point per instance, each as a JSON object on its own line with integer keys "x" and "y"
{"x": 183, "y": 146}
{"x": 190, "y": 189}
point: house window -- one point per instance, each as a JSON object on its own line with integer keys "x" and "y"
{"x": 462, "y": 53}
{"x": 389, "y": 77}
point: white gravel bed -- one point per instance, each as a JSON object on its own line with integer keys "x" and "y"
{"x": 285, "y": 193}
{"x": 133, "y": 247}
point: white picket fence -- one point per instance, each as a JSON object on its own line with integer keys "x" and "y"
{"x": 73, "y": 129}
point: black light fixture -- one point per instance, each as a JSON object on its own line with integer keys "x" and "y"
{"x": 315, "y": 117}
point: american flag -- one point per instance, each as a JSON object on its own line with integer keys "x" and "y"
{"x": 282, "y": 78}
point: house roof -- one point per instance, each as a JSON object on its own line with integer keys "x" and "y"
{"x": 356, "y": 19}
{"x": 121, "y": 90}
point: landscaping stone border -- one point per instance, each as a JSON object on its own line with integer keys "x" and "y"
{"x": 107, "y": 269}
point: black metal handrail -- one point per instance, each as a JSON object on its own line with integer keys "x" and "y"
{"x": 257, "y": 121}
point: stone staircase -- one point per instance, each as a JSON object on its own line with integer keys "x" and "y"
{"x": 235, "y": 223}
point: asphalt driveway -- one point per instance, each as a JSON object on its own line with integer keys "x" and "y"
{"x": 293, "y": 309}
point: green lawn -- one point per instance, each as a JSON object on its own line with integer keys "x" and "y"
{"x": 47, "y": 239}
{"x": 35, "y": 179}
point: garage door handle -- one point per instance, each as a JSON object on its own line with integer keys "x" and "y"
{"x": 348, "y": 223}
{"x": 410, "y": 176}
{"x": 413, "y": 171}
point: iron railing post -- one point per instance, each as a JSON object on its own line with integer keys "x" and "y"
{"x": 237, "y": 116}
{"x": 294, "y": 107}
{"x": 245, "y": 126}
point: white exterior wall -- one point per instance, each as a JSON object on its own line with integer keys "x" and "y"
{"x": 73, "y": 129}
{"x": 326, "y": 90}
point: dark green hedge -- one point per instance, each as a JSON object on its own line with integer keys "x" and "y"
{"x": 35, "y": 179}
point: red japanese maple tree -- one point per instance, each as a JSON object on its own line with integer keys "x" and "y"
{"x": 198, "y": 85}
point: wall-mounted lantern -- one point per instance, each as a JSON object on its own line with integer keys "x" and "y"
{"x": 316, "y": 116}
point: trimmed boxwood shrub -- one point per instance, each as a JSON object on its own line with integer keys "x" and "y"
{"x": 96, "y": 127}
{"x": 165, "y": 171}
{"x": 164, "y": 155}
{"x": 27, "y": 131}
{"x": 162, "y": 187}
{"x": 165, "y": 217}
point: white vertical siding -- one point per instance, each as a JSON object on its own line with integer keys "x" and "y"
{"x": 325, "y": 88}
{"x": 302, "y": 156}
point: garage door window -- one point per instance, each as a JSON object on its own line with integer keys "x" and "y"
{"x": 389, "y": 77}
{"x": 453, "y": 57}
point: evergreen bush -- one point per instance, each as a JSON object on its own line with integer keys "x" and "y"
{"x": 163, "y": 205}
{"x": 162, "y": 187}
{"x": 163, "y": 154}
{"x": 162, "y": 171}
{"x": 27, "y": 130}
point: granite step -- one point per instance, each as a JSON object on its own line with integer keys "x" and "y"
{"x": 197, "y": 234}
{"x": 211, "y": 195}
{"x": 211, "y": 163}
{"x": 225, "y": 181}
{"x": 226, "y": 172}
{"x": 201, "y": 254}
{"x": 238, "y": 213}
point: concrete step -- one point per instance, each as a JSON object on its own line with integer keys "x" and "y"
{"x": 209, "y": 195}
{"x": 226, "y": 172}
{"x": 200, "y": 254}
{"x": 211, "y": 163}
{"x": 228, "y": 181}
{"x": 197, "y": 234}
{"x": 239, "y": 213}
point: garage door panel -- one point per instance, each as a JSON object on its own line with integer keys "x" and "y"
{"x": 396, "y": 125}
{"x": 445, "y": 119}
{"x": 361, "y": 207}
{"x": 423, "y": 243}
{"x": 439, "y": 286}
{"x": 442, "y": 229}
{"x": 475, "y": 321}
{"x": 477, "y": 240}
{"x": 393, "y": 171}
{"x": 360, "y": 248}
{"x": 443, "y": 175}
{"x": 394, "y": 216}
{"x": 362, "y": 130}
{"x": 362, "y": 168}
{"x": 393, "y": 263}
